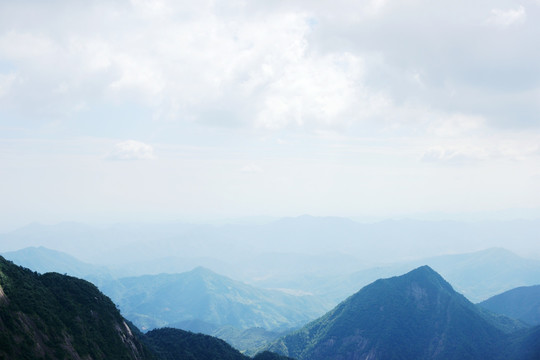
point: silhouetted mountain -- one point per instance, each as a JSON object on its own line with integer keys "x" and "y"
{"x": 415, "y": 316}
{"x": 522, "y": 303}
{"x": 54, "y": 316}
{"x": 204, "y": 297}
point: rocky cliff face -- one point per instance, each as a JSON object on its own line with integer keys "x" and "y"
{"x": 55, "y": 316}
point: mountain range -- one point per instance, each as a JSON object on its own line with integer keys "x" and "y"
{"x": 203, "y": 298}
{"x": 414, "y": 316}
{"x": 370, "y": 243}
{"x": 248, "y": 316}
{"x": 54, "y": 316}
{"x": 477, "y": 275}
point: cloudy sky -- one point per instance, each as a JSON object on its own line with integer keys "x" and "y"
{"x": 161, "y": 110}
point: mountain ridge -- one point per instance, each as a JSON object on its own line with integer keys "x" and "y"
{"x": 417, "y": 315}
{"x": 200, "y": 294}
{"x": 57, "y": 316}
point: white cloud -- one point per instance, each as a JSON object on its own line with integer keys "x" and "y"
{"x": 323, "y": 92}
{"x": 132, "y": 150}
{"x": 25, "y": 46}
{"x": 251, "y": 169}
{"x": 455, "y": 125}
{"x": 505, "y": 18}
{"x": 273, "y": 66}
{"x": 6, "y": 81}
{"x": 455, "y": 155}
{"x": 373, "y": 85}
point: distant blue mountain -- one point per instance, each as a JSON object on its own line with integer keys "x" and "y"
{"x": 414, "y": 316}
{"x": 522, "y": 303}
{"x": 44, "y": 260}
{"x": 374, "y": 243}
{"x": 477, "y": 275}
{"x": 204, "y": 297}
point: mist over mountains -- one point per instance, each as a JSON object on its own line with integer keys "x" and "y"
{"x": 203, "y": 296}
{"x": 417, "y": 315}
{"x": 478, "y": 275}
{"x": 371, "y": 244}
{"x": 249, "y": 284}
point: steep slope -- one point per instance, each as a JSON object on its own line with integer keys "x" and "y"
{"x": 201, "y": 296}
{"x": 414, "y": 316}
{"x": 55, "y": 316}
{"x": 525, "y": 345}
{"x": 522, "y": 303}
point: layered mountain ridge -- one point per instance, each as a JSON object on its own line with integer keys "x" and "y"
{"x": 204, "y": 297}
{"x": 414, "y": 316}
{"x": 54, "y": 316}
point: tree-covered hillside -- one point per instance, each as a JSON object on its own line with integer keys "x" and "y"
{"x": 414, "y": 316}
{"x": 54, "y": 316}
{"x": 201, "y": 296}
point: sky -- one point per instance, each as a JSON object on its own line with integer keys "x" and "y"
{"x": 168, "y": 110}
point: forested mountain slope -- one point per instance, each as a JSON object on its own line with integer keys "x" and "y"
{"x": 55, "y": 316}
{"x": 414, "y": 316}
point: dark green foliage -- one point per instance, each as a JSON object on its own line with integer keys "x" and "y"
{"x": 55, "y": 316}
{"x": 415, "y": 316}
{"x": 172, "y": 344}
{"x": 267, "y": 355}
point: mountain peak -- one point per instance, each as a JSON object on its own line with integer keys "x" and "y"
{"x": 415, "y": 316}
{"x": 422, "y": 271}
{"x": 202, "y": 271}
{"x": 425, "y": 273}
{"x": 422, "y": 279}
